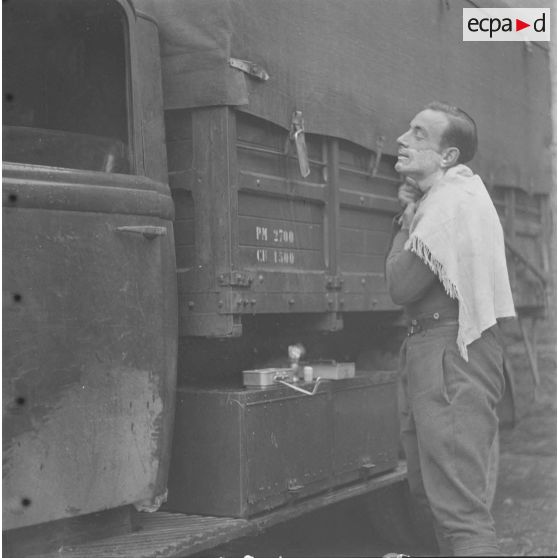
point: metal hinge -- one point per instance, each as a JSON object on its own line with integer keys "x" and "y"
{"x": 250, "y": 68}
{"x": 235, "y": 279}
{"x": 293, "y": 486}
{"x": 334, "y": 282}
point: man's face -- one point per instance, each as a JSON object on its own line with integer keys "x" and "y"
{"x": 419, "y": 153}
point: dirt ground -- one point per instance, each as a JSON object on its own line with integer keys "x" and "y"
{"x": 525, "y": 504}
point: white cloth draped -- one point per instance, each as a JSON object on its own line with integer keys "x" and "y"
{"x": 457, "y": 233}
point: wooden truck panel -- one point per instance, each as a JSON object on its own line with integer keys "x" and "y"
{"x": 253, "y": 236}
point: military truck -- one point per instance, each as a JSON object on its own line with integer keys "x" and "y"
{"x": 189, "y": 188}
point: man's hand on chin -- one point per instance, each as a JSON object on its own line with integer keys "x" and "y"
{"x": 409, "y": 196}
{"x": 408, "y": 215}
{"x": 408, "y": 192}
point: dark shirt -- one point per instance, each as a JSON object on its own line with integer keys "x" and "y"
{"x": 413, "y": 285}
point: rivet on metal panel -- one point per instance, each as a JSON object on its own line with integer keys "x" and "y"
{"x": 253, "y": 302}
{"x": 291, "y": 301}
{"x": 191, "y": 304}
{"x": 363, "y": 281}
{"x": 220, "y": 304}
{"x": 258, "y": 182}
{"x": 374, "y": 302}
{"x": 261, "y": 278}
{"x": 245, "y": 302}
{"x": 361, "y": 200}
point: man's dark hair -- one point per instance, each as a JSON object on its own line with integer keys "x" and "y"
{"x": 461, "y": 131}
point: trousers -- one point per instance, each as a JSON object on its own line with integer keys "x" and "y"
{"x": 449, "y": 432}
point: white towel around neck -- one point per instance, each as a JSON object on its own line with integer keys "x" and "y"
{"x": 456, "y": 232}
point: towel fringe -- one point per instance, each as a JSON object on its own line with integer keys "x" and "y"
{"x": 418, "y": 247}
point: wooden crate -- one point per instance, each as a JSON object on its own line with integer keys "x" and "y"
{"x": 238, "y": 452}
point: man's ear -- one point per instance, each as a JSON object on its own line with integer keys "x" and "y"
{"x": 450, "y": 156}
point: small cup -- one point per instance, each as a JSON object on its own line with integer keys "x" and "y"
{"x": 308, "y": 373}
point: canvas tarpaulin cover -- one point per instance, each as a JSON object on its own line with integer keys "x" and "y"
{"x": 361, "y": 69}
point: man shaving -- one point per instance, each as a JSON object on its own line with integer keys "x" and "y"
{"x": 447, "y": 268}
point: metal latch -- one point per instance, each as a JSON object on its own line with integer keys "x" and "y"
{"x": 250, "y": 68}
{"x": 297, "y": 135}
{"x": 235, "y": 279}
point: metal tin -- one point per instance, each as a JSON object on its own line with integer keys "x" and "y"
{"x": 308, "y": 372}
{"x": 266, "y": 377}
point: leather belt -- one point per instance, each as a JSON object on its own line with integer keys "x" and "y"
{"x": 429, "y": 322}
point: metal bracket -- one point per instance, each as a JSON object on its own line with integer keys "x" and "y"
{"x": 235, "y": 279}
{"x": 334, "y": 282}
{"x": 296, "y": 134}
{"x": 250, "y": 68}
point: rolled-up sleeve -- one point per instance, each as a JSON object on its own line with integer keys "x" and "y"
{"x": 408, "y": 277}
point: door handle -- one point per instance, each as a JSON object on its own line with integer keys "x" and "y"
{"x": 147, "y": 231}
